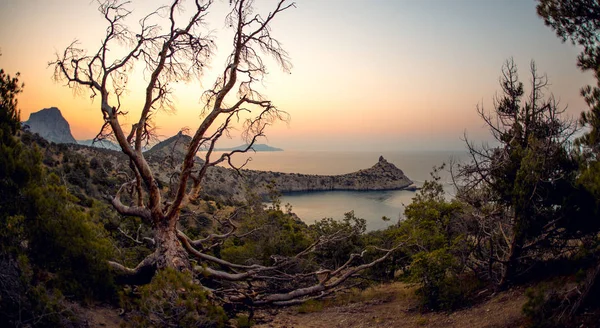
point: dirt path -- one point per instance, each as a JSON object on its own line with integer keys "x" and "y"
{"x": 102, "y": 316}
{"x": 395, "y": 307}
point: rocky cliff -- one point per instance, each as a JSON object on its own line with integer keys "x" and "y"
{"x": 50, "y": 125}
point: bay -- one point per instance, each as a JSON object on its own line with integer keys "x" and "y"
{"x": 370, "y": 205}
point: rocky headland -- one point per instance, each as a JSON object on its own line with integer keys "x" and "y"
{"x": 381, "y": 176}
{"x": 224, "y": 184}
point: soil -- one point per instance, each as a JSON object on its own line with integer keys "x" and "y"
{"x": 396, "y": 306}
{"x": 102, "y": 316}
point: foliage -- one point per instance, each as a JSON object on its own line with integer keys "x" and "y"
{"x": 431, "y": 220}
{"x": 443, "y": 283}
{"x": 542, "y": 306}
{"x": 579, "y": 22}
{"x": 437, "y": 246}
{"x": 277, "y": 233}
{"x": 244, "y": 321}
{"x": 25, "y": 301}
{"x": 171, "y": 299}
{"x": 522, "y": 194}
{"x": 9, "y": 113}
{"x": 347, "y": 241}
{"x": 63, "y": 239}
{"x": 49, "y": 246}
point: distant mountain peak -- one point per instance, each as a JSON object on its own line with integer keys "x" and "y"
{"x": 50, "y": 125}
{"x": 175, "y": 146}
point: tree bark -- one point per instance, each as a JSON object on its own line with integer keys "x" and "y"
{"x": 170, "y": 252}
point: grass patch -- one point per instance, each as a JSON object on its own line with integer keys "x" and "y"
{"x": 311, "y": 306}
{"x": 372, "y": 295}
{"x": 376, "y": 294}
{"x": 421, "y": 321}
{"x": 243, "y": 321}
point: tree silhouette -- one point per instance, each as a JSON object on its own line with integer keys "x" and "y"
{"x": 579, "y": 22}
{"x": 521, "y": 190}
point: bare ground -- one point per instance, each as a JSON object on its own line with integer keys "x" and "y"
{"x": 394, "y": 305}
{"x": 102, "y": 316}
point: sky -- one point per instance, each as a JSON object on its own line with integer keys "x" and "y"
{"x": 367, "y": 74}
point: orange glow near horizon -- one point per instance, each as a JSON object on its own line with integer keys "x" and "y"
{"x": 408, "y": 77}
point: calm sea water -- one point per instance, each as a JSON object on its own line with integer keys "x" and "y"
{"x": 370, "y": 205}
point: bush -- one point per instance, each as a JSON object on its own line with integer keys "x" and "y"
{"x": 94, "y": 163}
{"x": 540, "y": 307}
{"x": 436, "y": 246}
{"x": 279, "y": 234}
{"x": 172, "y": 299}
{"x": 244, "y": 321}
{"x": 64, "y": 240}
{"x": 335, "y": 254}
{"x": 26, "y": 301}
{"x": 441, "y": 287}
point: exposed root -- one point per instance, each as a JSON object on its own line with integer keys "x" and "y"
{"x": 140, "y": 275}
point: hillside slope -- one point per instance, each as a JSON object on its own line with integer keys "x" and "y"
{"x": 394, "y": 305}
{"x": 385, "y": 306}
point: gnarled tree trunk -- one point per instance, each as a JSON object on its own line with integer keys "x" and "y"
{"x": 169, "y": 251}
{"x": 514, "y": 252}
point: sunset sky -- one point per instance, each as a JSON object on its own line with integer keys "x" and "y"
{"x": 367, "y": 75}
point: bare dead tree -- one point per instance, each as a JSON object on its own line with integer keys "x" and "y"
{"x": 170, "y": 48}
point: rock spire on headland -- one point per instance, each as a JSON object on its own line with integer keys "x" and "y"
{"x": 381, "y": 176}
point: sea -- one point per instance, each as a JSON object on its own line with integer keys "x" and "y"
{"x": 369, "y": 205}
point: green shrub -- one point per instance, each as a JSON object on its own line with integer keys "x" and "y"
{"x": 64, "y": 240}
{"x": 278, "y": 233}
{"x": 335, "y": 254}
{"x": 440, "y": 287}
{"x": 436, "y": 247}
{"x": 172, "y": 299}
{"x": 26, "y": 301}
{"x": 542, "y": 306}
